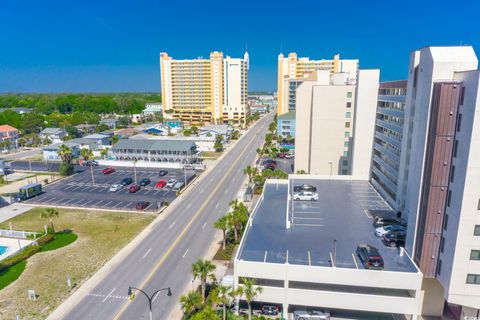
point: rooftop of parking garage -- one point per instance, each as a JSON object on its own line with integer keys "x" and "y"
{"x": 343, "y": 214}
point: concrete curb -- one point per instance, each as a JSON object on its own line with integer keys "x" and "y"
{"x": 91, "y": 282}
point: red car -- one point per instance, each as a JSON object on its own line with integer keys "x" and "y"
{"x": 108, "y": 170}
{"x": 134, "y": 188}
{"x": 282, "y": 155}
{"x": 142, "y": 205}
{"x": 160, "y": 184}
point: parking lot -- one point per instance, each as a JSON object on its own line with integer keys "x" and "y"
{"x": 79, "y": 191}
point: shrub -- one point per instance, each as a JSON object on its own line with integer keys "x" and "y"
{"x": 45, "y": 239}
{"x": 20, "y": 256}
{"x": 66, "y": 169}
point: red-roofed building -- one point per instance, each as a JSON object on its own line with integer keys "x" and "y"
{"x": 8, "y": 133}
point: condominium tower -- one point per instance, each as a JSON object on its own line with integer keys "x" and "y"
{"x": 335, "y": 120}
{"x": 292, "y": 70}
{"x": 200, "y": 91}
{"x": 440, "y": 162}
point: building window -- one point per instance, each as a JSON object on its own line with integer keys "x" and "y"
{"x": 344, "y": 171}
{"x": 476, "y": 232}
{"x": 459, "y": 122}
{"x": 478, "y": 206}
{"x": 442, "y": 244}
{"x": 452, "y": 173}
{"x": 347, "y": 124}
{"x": 455, "y": 148}
{"x": 439, "y": 266}
{"x": 462, "y": 96}
{"x": 473, "y": 278}
{"x": 445, "y": 222}
{"x": 475, "y": 255}
{"x": 348, "y": 114}
{"x": 345, "y": 153}
{"x": 347, "y": 134}
{"x": 349, "y": 104}
{"x": 345, "y": 144}
{"x": 349, "y": 94}
{"x": 345, "y": 163}
{"x": 449, "y": 198}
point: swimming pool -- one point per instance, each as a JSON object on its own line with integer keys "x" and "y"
{"x": 3, "y": 249}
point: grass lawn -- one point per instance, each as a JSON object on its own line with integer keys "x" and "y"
{"x": 100, "y": 236}
{"x": 210, "y": 154}
{"x": 62, "y": 239}
{"x": 11, "y": 274}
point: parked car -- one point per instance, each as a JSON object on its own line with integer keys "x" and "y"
{"x": 289, "y": 156}
{"x": 162, "y": 173}
{"x": 305, "y": 187}
{"x": 92, "y": 163}
{"x": 305, "y": 196}
{"x": 269, "y": 166}
{"x": 270, "y": 310}
{"x": 116, "y": 187}
{"x": 311, "y": 315}
{"x": 142, "y": 205}
{"x": 178, "y": 186}
{"x": 379, "y": 232}
{"x": 160, "y": 184}
{"x": 134, "y": 188}
{"x": 282, "y": 155}
{"x": 126, "y": 181}
{"x": 394, "y": 239}
{"x": 370, "y": 257}
{"x": 171, "y": 183}
{"x": 145, "y": 182}
{"x": 108, "y": 170}
{"x": 381, "y": 222}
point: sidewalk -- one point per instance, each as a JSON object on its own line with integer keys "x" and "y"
{"x": 13, "y": 210}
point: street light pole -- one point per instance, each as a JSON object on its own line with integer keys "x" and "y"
{"x": 135, "y": 170}
{"x": 91, "y": 171}
{"x": 150, "y": 298}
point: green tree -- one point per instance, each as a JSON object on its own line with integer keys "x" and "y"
{"x": 203, "y": 269}
{"x": 207, "y": 313}
{"x": 87, "y": 154}
{"x": 115, "y": 139}
{"x": 272, "y": 127}
{"x": 223, "y": 294}
{"x": 50, "y": 213}
{"x": 237, "y": 217}
{"x": 194, "y": 130}
{"x": 102, "y": 127}
{"x": 22, "y": 142}
{"x": 104, "y": 153}
{"x": 190, "y": 302}
{"x": 218, "y": 145}
{"x": 222, "y": 224}
{"x": 250, "y": 172}
{"x": 65, "y": 153}
{"x": 250, "y": 292}
{"x": 187, "y": 133}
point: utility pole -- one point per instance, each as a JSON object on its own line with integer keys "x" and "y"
{"x": 91, "y": 171}
{"x": 135, "y": 170}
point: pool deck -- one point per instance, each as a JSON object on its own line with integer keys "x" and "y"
{"x": 13, "y": 245}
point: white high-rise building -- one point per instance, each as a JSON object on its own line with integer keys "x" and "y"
{"x": 440, "y": 173}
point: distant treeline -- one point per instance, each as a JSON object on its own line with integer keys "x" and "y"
{"x": 121, "y": 103}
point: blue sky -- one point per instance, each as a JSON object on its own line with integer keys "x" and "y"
{"x": 107, "y": 46}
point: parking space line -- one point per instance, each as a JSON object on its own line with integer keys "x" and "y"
{"x": 117, "y": 204}
{"x": 128, "y": 204}
{"x": 96, "y": 204}
{"x": 106, "y": 204}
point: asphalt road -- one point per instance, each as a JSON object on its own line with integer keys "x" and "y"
{"x": 164, "y": 257}
{"x": 36, "y": 166}
{"x": 78, "y": 191}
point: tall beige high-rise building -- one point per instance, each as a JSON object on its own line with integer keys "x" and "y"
{"x": 335, "y": 120}
{"x": 200, "y": 91}
{"x": 292, "y": 70}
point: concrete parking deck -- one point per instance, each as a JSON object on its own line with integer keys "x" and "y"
{"x": 332, "y": 226}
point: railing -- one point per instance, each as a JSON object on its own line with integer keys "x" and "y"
{"x": 18, "y": 234}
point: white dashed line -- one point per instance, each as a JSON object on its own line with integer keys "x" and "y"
{"x": 171, "y": 226}
{"x": 146, "y": 253}
{"x": 217, "y": 205}
{"x": 189, "y": 206}
{"x": 185, "y": 253}
{"x": 204, "y": 225}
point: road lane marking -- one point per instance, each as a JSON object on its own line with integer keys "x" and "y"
{"x": 146, "y": 253}
{"x": 171, "y": 226}
{"x": 204, "y": 225}
{"x": 216, "y": 207}
{"x": 189, "y": 206}
{"x": 186, "y": 228}
{"x": 108, "y": 295}
{"x": 201, "y": 191}
{"x": 185, "y": 253}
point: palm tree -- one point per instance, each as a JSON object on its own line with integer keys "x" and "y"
{"x": 50, "y": 213}
{"x": 190, "y": 302}
{"x": 202, "y": 269}
{"x": 237, "y": 218}
{"x": 250, "y": 291}
{"x": 87, "y": 154}
{"x": 250, "y": 171}
{"x": 104, "y": 153}
{"x": 223, "y": 224}
{"x": 65, "y": 154}
{"x": 223, "y": 294}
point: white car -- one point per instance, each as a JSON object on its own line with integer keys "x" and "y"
{"x": 116, "y": 187}
{"x": 379, "y": 232}
{"x": 289, "y": 156}
{"x": 171, "y": 183}
{"x": 305, "y": 196}
{"x": 311, "y": 315}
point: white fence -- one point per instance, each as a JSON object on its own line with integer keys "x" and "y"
{"x": 17, "y": 234}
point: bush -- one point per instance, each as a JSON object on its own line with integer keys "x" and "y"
{"x": 19, "y": 257}
{"x": 66, "y": 169}
{"x": 45, "y": 239}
